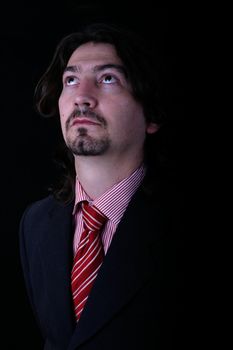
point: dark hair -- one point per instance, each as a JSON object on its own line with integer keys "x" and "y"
{"x": 140, "y": 64}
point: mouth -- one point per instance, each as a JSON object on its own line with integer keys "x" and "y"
{"x": 82, "y": 121}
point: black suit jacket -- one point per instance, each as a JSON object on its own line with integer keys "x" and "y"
{"x": 136, "y": 301}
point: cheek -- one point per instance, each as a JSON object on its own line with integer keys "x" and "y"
{"x": 62, "y": 122}
{"x": 64, "y": 110}
{"x": 64, "y": 102}
{"x": 61, "y": 104}
{"x": 132, "y": 115}
{"x": 62, "y": 114}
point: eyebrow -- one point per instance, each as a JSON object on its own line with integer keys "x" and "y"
{"x": 99, "y": 68}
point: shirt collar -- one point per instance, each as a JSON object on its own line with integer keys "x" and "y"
{"x": 120, "y": 194}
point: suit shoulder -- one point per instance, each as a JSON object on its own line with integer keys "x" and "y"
{"x": 40, "y": 210}
{"x": 40, "y": 216}
{"x": 40, "y": 206}
{"x": 45, "y": 208}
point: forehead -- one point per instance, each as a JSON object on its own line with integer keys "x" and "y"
{"x": 94, "y": 52}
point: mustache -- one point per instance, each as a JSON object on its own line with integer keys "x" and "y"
{"x": 85, "y": 112}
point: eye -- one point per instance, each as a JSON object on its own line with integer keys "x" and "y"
{"x": 71, "y": 80}
{"x": 108, "y": 79}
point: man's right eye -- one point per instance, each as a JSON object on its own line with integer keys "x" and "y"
{"x": 69, "y": 81}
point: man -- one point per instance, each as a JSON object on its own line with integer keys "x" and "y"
{"x": 121, "y": 291}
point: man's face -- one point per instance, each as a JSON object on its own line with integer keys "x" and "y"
{"x": 99, "y": 115}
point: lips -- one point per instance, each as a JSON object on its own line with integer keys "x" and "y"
{"x": 81, "y": 121}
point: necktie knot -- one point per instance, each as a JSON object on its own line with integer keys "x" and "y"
{"x": 93, "y": 219}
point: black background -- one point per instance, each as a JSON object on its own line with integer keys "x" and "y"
{"x": 29, "y": 33}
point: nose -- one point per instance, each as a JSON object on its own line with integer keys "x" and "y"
{"x": 86, "y": 95}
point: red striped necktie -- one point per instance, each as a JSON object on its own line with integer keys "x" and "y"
{"x": 88, "y": 258}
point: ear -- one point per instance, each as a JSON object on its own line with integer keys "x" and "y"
{"x": 152, "y": 128}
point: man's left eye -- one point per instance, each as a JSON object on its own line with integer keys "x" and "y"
{"x": 109, "y": 79}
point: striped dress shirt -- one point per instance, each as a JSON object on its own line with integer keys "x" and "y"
{"x": 112, "y": 204}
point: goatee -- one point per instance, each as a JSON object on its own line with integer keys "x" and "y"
{"x": 83, "y": 144}
{"x": 86, "y": 145}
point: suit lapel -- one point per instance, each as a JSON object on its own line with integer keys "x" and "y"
{"x": 126, "y": 268}
{"x": 56, "y": 251}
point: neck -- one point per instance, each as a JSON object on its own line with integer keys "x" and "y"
{"x": 97, "y": 176}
